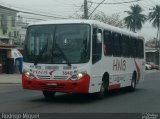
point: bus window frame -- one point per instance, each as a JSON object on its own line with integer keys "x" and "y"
{"x": 96, "y": 56}
{"x": 107, "y": 42}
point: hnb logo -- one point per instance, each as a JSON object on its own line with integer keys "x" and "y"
{"x": 119, "y": 65}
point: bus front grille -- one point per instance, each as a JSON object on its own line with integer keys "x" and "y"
{"x": 60, "y": 77}
{"x": 51, "y": 87}
{"x": 43, "y": 77}
{"x": 52, "y": 78}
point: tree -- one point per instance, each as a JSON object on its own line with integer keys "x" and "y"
{"x": 113, "y": 20}
{"x": 135, "y": 18}
{"x": 154, "y": 17}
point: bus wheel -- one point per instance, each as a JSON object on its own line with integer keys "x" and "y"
{"x": 48, "y": 94}
{"x": 133, "y": 83}
{"x": 103, "y": 90}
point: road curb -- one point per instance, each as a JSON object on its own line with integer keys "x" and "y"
{"x": 10, "y": 82}
{"x": 10, "y": 78}
{"x": 152, "y": 71}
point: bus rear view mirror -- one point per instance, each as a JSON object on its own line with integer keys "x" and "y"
{"x": 99, "y": 37}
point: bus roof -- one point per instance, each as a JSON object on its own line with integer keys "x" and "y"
{"x": 91, "y": 22}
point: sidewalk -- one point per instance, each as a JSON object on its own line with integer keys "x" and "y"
{"x": 10, "y": 78}
{"x": 152, "y": 71}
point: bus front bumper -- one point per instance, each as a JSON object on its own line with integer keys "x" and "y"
{"x": 79, "y": 86}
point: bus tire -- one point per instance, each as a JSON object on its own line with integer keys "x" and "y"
{"x": 104, "y": 87}
{"x": 48, "y": 94}
{"x": 133, "y": 83}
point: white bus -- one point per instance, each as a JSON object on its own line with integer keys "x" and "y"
{"x": 81, "y": 56}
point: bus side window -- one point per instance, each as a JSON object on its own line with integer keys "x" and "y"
{"x": 125, "y": 46}
{"x": 107, "y": 46}
{"x": 116, "y": 40}
{"x": 131, "y": 43}
{"x": 140, "y": 52}
{"x": 96, "y": 46}
{"x": 130, "y": 47}
{"x": 142, "y": 47}
{"x": 133, "y": 47}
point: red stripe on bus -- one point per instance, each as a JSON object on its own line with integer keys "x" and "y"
{"x": 79, "y": 86}
{"x": 138, "y": 69}
{"x": 115, "y": 86}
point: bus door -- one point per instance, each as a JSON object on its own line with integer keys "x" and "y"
{"x": 96, "y": 58}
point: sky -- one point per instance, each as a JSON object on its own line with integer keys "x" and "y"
{"x": 68, "y": 8}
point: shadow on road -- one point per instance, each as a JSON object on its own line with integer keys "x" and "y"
{"x": 67, "y": 98}
{"x": 84, "y": 98}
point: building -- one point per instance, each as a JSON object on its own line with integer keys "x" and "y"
{"x": 9, "y": 38}
{"x": 21, "y": 32}
{"x": 152, "y": 55}
{"x": 7, "y": 25}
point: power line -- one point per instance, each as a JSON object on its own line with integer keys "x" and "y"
{"x": 41, "y": 11}
{"x": 124, "y": 4}
{"x": 116, "y": 2}
{"x": 80, "y": 9}
{"x": 39, "y": 19}
{"x": 96, "y": 8}
{"x": 40, "y": 14}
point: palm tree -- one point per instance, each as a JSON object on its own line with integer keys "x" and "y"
{"x": 135, "y": 18}
{"x": 154, "y": 17}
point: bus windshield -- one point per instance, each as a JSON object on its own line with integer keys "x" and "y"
{"x": 57, "y": 44}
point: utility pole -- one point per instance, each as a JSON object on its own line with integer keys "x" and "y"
{"x": 85, "y": 9}
{"x": 158, "y": 38}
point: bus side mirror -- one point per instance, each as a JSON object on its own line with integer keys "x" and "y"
{"x": 99, "y": 37}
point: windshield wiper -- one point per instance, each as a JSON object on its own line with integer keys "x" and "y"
{"x": 41, "y": 53}
{"x": 62, "y": 53}
{"x": 64, "y": 56}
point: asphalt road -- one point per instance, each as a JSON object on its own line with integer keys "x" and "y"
{"x": 146, "y": 98}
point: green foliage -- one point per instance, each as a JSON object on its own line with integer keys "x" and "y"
{"x": 135, "y": 18}
{"x": 113, "y": 20}
{"x": 154, "y": 16}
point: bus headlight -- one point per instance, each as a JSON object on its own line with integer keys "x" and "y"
{"x": 78, "y": 76}
{"x": 28, "y": 74}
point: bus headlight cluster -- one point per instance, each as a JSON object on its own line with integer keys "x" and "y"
{"x": 78, "y": 75}
{"x": 28, "y": 74}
